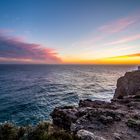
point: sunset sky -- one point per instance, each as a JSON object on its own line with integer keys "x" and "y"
{"x": 70, "y": 31}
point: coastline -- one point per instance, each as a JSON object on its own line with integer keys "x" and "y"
{"x": 91, "y": 120}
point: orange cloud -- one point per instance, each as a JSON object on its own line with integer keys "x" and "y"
{"x": 126, "y": 56}
{"x": 125, "y": 59}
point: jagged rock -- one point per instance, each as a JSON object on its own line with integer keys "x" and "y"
{"x": 86, "y": 135}
{"x": 129, "y": 84}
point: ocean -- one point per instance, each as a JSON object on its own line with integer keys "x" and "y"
{"x": 29, "y": 93}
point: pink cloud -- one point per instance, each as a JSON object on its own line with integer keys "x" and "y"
{"x": 17, "y": 49}
{"x": 124, "y": 40}
{"x": 119, "y": 25}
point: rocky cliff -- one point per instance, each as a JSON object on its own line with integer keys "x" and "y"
{"x": 127, "y": 85}
{"x": 99, "y": 120}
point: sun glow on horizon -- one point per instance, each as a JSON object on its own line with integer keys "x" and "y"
{"x": 133, "y": 59}
{"x": 93, "y": 32}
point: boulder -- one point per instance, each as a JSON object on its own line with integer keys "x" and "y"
{"x": 86, "y": 135}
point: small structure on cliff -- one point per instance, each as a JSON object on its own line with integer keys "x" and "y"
{"x": 138, "y": 67}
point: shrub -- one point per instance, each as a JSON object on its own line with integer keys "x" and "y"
{"x": 43, "y": 131}
{"x": 8, "y": 132}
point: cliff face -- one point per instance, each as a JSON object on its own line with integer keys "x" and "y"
{"x": 99, "y": 120}
{"x": 127, "y": 85}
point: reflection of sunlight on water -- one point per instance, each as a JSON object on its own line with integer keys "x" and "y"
{"x": 30, "y": 93}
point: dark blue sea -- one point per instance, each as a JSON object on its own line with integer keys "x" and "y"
{"x": 28, "y": 93}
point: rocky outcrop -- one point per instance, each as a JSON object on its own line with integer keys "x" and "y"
{"x": 100, "y": 120}
{"x": 129, "y": 84}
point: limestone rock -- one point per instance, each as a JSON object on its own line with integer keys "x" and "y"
{"x": 86, "y": 135}
{"x": 127, "y": 85}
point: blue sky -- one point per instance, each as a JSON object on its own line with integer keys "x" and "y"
{"x": 63, "y": 25}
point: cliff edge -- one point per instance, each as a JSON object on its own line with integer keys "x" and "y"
{"x": 100, "y": 120}
{"x": 127, "y": 85}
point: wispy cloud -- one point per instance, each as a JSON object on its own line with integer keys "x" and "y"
{"x": 112, "y": 39}
{"x": 119, "y": 25}
{"x": 124, "y": 40}
{"x": 16, "y": 49}
{"x": 110, "y": 29}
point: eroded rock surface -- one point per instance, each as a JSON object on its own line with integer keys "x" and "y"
{"x": 84, "y": 134}
{"x": 129, "y": 84}
{"x": 115, "y": 120}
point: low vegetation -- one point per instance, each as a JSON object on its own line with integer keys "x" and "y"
{"x": 43, "y": 131}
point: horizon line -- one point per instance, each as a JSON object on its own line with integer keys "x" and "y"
{"x": 67, "y": 64}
